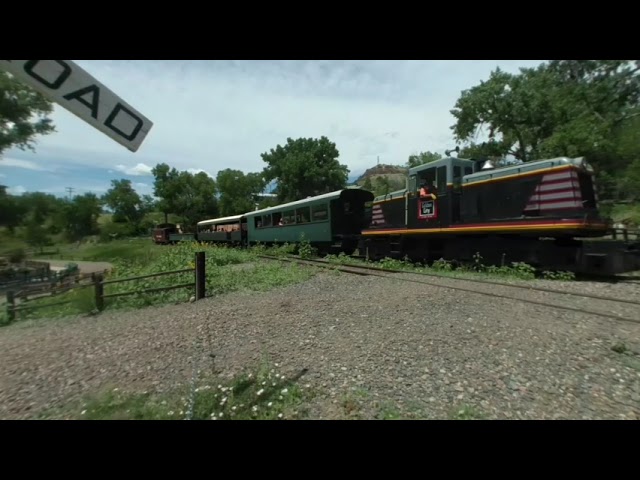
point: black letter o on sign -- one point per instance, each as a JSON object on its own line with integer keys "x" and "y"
{"x": 30, "y": 64}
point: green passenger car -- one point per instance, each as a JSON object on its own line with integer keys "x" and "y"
{"x": 330, "y": 222}
{"x": 232, "y": 230}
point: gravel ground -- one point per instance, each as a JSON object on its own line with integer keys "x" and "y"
{"x": 373, "y": 347}
{"x": 619, "y": 291}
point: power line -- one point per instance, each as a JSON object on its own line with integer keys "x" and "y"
{"x": 69, "y": 191}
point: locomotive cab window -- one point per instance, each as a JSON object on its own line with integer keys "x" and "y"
{"x": 428, "y": 176}
{"x": 441, "y": 182}
{"x": 266, "y": 220}
{"x": 457, "y": 174}
{"x": 276, "y": 219}
{"x": 413, "y": 184}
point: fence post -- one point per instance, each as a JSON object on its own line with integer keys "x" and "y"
{"x": 200, "y": 276}
{"x": 99, "y": 290}
{"x": 11, "y": 305}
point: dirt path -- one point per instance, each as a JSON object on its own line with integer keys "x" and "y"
{"x": 85, "y": 267}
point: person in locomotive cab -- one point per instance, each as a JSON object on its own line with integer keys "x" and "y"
{"x": 426, "y": 189}
{"x": 423, "y": 189}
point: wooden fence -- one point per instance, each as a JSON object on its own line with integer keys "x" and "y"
{"x": 98, "y": 282}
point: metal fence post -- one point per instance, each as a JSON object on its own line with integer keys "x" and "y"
{"x": 99, "y": 291}
{"x": 200, "y": 276}
{"x": 11, "y": 305}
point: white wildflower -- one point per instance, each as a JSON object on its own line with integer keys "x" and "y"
{"x": 234, "y": 408}
{"x": 264, "y": 383}
{"x": 224, "y": 389}
{"x": 254, "y": 408}
{"x": 280, "y": 415}
{"x": 115, "y": 389}
{"x": 197, "y": 390}
{"x": 261, "y": 391}
{"x": 277, "y": 364}
{"x": 284, "y": 391}
{"x": 221, "y": 413}
{"x": 170, "y": 412}
{"x": 250, "y": 375}
{"x": 219, "y": 386}
{"x": 273, "y": 384}
{"x": 83, "y": 412}
{"x": 269, "y": 404}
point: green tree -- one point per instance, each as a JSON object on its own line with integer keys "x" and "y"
{"x": 166, "y": 187}
{"x": 382, "y": 186}
{"x": 422, "y": 158}
{"x": 125, "y": 202}
{"x": 39, "y": 206}
{"x": 195, "y": 197}
{"x": 305, "y": 167}
{"x": 36, "y": 235}
{"x": 238, "y": 191}
{"x": 79, "y": 216}
{"x": 23, "y": 114}
{"x": 11, "y": 210}
{"x": 367, "y": 184}
{"x": 561, "y": 108}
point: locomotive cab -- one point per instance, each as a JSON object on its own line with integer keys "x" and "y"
{"x": 443, "y": 179}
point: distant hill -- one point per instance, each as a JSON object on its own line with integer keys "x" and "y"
{"x": 384, "y": 178}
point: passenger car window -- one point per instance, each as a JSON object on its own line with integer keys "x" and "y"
{"x": 303, "y": 215}
{"x": 319, "y": 212}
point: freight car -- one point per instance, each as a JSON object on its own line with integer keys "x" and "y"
{"x": 168, "y": 233}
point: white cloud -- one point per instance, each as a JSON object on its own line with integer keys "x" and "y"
{"x": 199, "y": 170}
{"x": 17, "y": 163}
{"x": 141, "y": 185}
{"x": 212, "y": 115}
{"x": 17, "y": 190}
{"x": 140, "y": 169}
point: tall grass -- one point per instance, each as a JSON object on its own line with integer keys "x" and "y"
{"x": 227, "y": 270}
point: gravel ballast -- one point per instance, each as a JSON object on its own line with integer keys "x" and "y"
{"x": 373, "y": 347}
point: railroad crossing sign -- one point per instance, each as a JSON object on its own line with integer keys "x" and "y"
{"x": 65, "y": 83}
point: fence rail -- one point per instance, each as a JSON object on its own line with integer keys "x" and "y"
{"x": 98, "y": 282}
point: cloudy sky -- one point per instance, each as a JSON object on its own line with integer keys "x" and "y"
{"x": 212, "y": 115}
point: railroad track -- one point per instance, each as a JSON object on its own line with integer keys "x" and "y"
{"x": 632, "y": 306}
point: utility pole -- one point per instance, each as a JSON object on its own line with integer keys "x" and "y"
{"x": 69, "y": 191}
